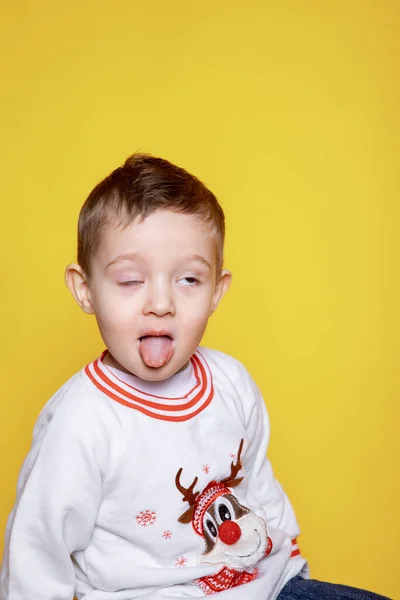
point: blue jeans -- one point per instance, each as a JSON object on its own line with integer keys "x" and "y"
{"x": 311, "y": 589}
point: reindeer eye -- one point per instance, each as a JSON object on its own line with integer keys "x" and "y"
{"x": 224, "y": 513}
{"x": 211, "y": 527}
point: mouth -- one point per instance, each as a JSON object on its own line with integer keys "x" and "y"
{"x": 156, "y": 348}
{"x": 255, "y": 549}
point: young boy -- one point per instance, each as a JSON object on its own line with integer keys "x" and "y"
{"x": 148, "y": 474}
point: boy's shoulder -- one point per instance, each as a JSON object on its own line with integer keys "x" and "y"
{"x": 77, "y": 406}
{"x": 225, "y": 367}
{"x": 220, "y": 358}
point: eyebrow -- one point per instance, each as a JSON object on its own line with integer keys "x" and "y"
{"x": 130, "y": 256}
{"x": 133, "y": 255}
{"x": 200, "y": 259}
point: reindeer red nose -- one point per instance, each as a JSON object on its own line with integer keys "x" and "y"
{"x": 229, "y": 532}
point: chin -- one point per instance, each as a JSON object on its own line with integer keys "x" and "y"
{"x": 160, "y": 373}
{"x": 155, "y": 373}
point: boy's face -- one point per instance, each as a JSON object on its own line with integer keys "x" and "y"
{"x": 153, "y": 287}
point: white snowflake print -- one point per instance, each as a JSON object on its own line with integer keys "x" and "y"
{"x": 206, "y": 469}
{"x": 167, "y": 535}
{"x": 146, "y": 518}
{"x": 180, "y": 562}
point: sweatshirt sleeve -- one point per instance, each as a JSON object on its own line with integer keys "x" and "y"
{"x": 263, "y": 485}
{"x": 58, "y": 496}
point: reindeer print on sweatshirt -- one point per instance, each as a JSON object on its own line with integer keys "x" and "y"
{"x": 234, "y": 535}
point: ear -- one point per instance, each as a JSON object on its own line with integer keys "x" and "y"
{"x": 222, "y": 286}
{"x": 77, "y": 283}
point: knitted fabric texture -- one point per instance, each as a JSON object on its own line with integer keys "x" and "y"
{"x": 210, "y": 493}
{"x": 224, "y": 580}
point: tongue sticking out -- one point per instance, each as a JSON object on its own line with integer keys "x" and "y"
{"x": 156, "y": 351}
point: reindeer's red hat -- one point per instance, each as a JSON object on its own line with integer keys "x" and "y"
{"x": 210, "y": 493}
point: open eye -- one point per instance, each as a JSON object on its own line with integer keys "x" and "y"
{"x": 189, "y": 281}
{"x": 224, "y": 513}
{"x": 211, "y": 528}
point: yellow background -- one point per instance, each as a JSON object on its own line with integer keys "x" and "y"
{"x": 289, "y": 111}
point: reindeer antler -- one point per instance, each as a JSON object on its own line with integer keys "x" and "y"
{"x": 188, "y": 496}
{"x": 235, "y": 468}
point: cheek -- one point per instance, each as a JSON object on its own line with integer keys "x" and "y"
{"x": 113, "y": 315}
{"x": 193, "y": 328}
{"x": 197, "y": 302}
{"x": 112, "y": 304}
{"x": 196, "y": 314}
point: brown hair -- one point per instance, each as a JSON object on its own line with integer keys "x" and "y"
{"x": 143, "y": 185}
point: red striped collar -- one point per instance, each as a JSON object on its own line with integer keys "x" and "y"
{"x": 295, "y": 548}
{"x": 165, "y": 409}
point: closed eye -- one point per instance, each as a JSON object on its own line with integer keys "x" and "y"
{"x": 129, "y": 283}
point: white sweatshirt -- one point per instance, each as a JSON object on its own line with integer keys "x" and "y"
{"x": 116, "y": 461}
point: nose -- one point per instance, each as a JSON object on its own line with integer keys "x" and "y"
{"x": 229, "y": 532}
{"x": 159, "y": 300}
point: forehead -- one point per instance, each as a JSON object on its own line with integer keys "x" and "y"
{"x": 163, "y": 236}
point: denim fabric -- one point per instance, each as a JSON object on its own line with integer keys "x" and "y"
{"x": 311, "y": 589}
